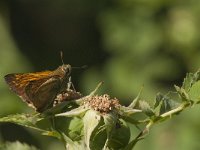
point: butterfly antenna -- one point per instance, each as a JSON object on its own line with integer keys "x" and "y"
{"x": 61, "y": 56}
{"x": 82, "y": 67}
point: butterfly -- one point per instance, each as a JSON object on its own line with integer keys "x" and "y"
{"x": 39, "y": 89}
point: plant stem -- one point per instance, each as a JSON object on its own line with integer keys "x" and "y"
{"x": 176, "y": 110}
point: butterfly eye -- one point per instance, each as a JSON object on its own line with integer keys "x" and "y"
{"x": 66, "y": 69}
{"x": 69, "y": 70}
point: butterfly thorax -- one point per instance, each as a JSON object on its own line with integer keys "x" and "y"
{"x": 63, "y": 72}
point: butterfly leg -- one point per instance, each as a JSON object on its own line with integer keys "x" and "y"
{"x": 70, "y": 85}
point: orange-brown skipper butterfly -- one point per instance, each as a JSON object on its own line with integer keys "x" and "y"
{"x": 40, "y": 89}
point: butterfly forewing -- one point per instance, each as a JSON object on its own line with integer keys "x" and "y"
{"x": 18, "y": 82}
{"x": 13, "y": 82}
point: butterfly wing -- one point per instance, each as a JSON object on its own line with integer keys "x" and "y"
{"x": 44, "y": 95}
{"x": 19, "y": 82}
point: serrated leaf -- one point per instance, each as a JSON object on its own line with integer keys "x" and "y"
{"x": 189, "y": 80}
{"x": 145, "y": 107}
{"x": 24, "y": 120}
{"x": 90, "y": 121}
{"x": 194, "y": 92}
{"x": 182, "y": 93}
{"x": 164, "y": 104}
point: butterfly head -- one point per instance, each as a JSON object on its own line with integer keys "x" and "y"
{"x": 66, "y": 69}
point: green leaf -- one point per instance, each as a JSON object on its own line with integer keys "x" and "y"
{"x": 135, "y": 101}
{"x": 71, "y": 127}
{"x": 164, "y": 104}
{"x": 120, "y": 135}
{"x": 90, "y": 121}
{"x": 182, "y": 93}
{"x": 25, "y": 120}
{"x": 96, "y": 89}
{"x": 130, "y": 119}
{"x": 67, "y": 106}
{"x": 52, "y": 133}
{"x": 194, "y": 92}
{"x": 127, "y": 111}
{"x": 139, "y": 137}
{"x": 72, "y": 145}
{"x": 190, "y": 79}
{"x": 110, "y": 121}
{"x": 17, "y": 146}
{"x": 74, "y": 112}
{"x": 131, "y": 145}
{"x": 75, "y": 128}
{"x": 146, "y": 108}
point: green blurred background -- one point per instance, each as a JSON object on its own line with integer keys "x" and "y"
{"x": 125, "y": 43}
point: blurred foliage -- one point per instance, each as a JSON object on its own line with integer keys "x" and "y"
{"x": 151, "y": 43}
{"x": 17, "y": 146}
{"x": 10, "y": 54}
{"x": 126, "y": 43}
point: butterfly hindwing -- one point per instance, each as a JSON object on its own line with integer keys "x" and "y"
{"x": 42, "y": 95}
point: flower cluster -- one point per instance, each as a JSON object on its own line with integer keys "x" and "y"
{"x": 104, "y": 104}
